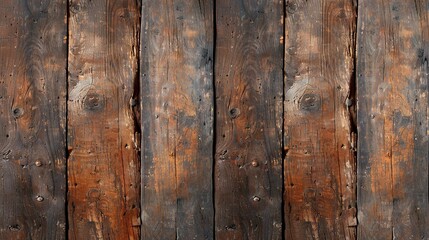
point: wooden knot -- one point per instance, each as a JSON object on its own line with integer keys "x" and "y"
{"x": 17, "y": 112}
{"x": 93, "y": 102}
{"x": 310, "y": 102}
{"x": 234, "y": 113}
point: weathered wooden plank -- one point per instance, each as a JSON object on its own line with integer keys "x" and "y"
{"x": 33, "y": 54}
{"x": 177, "y": 119}
{"x": 103, "y": 136}
{"x": 393, "y": 53}
{"x": 249, "y": 92}
{"x": 319, "y": 164}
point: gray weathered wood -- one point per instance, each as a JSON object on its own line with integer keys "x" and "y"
{"x": 249, "y": 93}
{"x": 393, "y": 53}
{"x": 33, "y": 53}
{"x": 177, "y": 119}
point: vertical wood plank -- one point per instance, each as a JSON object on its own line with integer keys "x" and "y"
{"x": 103, "y": 135}
{"x": 249, "y": 92}
{"x": 393, "y": 74}
{"x": 33, "y": 55}
{"x": 319, "y": 143}
{"x": 177, "y": 119}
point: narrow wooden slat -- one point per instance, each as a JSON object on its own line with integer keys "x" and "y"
{"x": 319, "y": 143}
{"x": 177, "y": 119}
{"x": 393, "y": 74}
{"x": 249, "y": 91}
{"x": 33, "y": 55}
{"x": 103, "y": 165}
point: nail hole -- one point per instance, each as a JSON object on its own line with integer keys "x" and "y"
{"x": 14, "y": 227}
{"x": 38, "y": 163}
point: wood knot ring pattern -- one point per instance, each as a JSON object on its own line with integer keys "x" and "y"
{"x": 93, "y": 102}
{"x": 309, "y": 102}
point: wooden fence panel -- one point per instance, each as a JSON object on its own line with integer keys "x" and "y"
{"x": 319, "y": 166}
{"x": 393, "y": 53}
{"x": 33, "y": 54}
{"x": 249, "y": 93}
{"x": 177, "y": 119}
{"x": 103, "y": 138}
{"x": 246, "y": 113}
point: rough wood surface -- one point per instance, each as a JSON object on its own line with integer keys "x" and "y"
{"x": 249, "y": 88}
{"x": 177, "y": 126}
{"x": 319, "y": 166}
{"x": 393, "y": 74}
{"x": 33, "y": 54}
{"x": 103, "y": 136}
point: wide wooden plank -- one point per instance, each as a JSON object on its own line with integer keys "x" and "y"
{"x": 249, "y": 92}
{"x": 103, "y": 134}
{"x": 33, "y": 54}
{"x": 319, "y": 143}
{"x": 393, "y": 74}
{"x": 177, "y": 119}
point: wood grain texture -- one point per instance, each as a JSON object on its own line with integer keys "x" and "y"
{"x": 177, "y": 119}
{"x": 393, "y": 74}
{"x": 249, "y": 91}
{"x": 103, "y": 135}
{"x": 33, "y": 56}
{"x": 319, "y": 166}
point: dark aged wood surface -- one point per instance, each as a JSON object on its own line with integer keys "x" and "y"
{"x": 177, "y": 126}
{"x": 244, "y": 112}
{"x": 393, "y": 53}
{"x": 103, "y": 138}
{"x": 33, "y": 53}
{"x": 248, "y": 82}
{"x": 319, "y": 166}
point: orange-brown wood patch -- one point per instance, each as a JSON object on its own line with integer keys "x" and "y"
{"x": 103, "y": 140}
{"x": 319, "y": 142}
{"x": 393, "y": 50}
